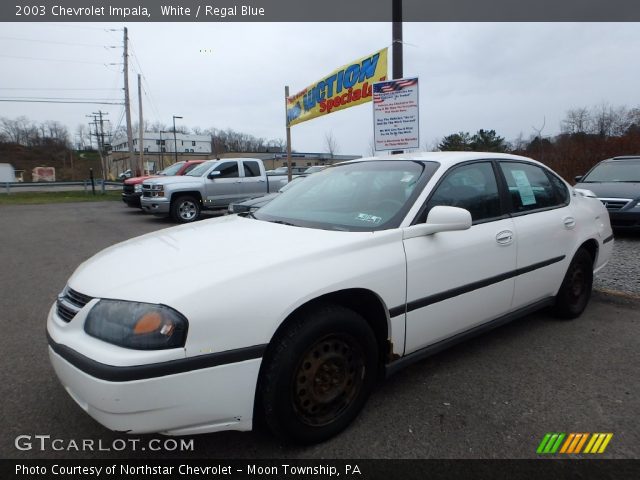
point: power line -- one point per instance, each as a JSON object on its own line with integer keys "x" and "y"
{"x": 55, "y": 88}
{"x": 146, "y": 89}
{"x": 56, "y": 42}
{"x": 58, "y": 101}
{"x": 57, "y": 60}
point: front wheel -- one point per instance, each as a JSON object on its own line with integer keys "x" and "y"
{"x": 318, "y": 375}
{"x": 575, "y": 290}
{"x": 185, "y": 209}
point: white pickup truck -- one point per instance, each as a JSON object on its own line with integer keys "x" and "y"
{"x": 212, "y": 185}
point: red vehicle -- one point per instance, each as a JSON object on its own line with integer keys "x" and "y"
{"x": 132, "y": 187}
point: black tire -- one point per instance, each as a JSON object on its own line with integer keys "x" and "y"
{"x": 575, "y": 291}
{"x": 185, "y": 209}
{"x": 318, "y": 374}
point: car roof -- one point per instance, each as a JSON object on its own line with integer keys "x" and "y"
{"x": 446, "y": 159}
{"x": 622, "y": 158}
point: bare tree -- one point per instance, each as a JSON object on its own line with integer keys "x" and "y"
{"x": 576, "y": 121}
{"x": 157, "y": 127}
{"x": 330, "y": 143}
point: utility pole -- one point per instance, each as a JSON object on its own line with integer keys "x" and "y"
{"x": 396, "y": 47}
{"x": 140, "y": 126}
{"x": 99, "y": 137}
{"x": 175, "y": 140}
{"x": 127, "y": 105}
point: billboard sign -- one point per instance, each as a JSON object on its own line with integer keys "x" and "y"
{"x": 395, "y": 114}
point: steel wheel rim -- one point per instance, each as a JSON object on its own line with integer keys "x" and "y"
{"x": 187, "y": 210}
{"x": 328, "y": 379}
{"x": 577, "y": 284}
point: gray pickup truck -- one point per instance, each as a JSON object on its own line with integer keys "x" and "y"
{"x": 213, "y": 184}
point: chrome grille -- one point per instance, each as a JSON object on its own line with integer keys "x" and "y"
{"x": 69, "y": 303}
{"x": 614, "y": 203}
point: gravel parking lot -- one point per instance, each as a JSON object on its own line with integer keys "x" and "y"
{"x": 495, "y": 396}
{"x": 622, "y": 274}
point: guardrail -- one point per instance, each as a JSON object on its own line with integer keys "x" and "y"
{"x": 98, "y": 184}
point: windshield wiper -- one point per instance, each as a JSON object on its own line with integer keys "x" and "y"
{"x": 282, "y": 222}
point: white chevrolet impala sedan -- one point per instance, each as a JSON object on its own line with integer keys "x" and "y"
{"x": 294, "y": 312}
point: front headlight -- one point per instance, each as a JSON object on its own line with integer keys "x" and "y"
{"x": 137, "y": 188}
{"x": 141, "y": 326}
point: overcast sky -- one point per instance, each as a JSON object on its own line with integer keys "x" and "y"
{"x": 510, "y": 77}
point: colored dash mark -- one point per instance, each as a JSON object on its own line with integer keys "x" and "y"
{"x": 574, "y": 443}
{"x": 550, "y": 443}
{"x": 598, "y": 442}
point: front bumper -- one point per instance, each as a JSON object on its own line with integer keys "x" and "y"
{"x": 132, "y": 199}
{"x": 625, "y": 220}
{"x": 150, "y": 397}
{"x": 156, "y": 205}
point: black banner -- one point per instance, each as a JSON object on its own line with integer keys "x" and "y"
{"x": 314, "y": 469}
{"x": 318, "y": 11}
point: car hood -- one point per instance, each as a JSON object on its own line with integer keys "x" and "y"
{"x": 136, "y": 180}
{"x": 612, "y": 189}
{"x": 151, "y": 268}
{"x": 258, "y": 201}
{"x": 174, "y": 179}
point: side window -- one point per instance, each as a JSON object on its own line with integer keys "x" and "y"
{"x": 251, "y": 168}
{"x": 562, "y": 192}
{"x": 189, "y": 168}
{"x": 228, "y": 170}
{"x": 529, "y": 187}
{"x": 472, "y": 187}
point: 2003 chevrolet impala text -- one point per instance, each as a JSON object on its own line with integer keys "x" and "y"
{"x": 295, "y": 311}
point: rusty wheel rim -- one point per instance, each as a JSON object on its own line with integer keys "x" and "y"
{"x": 328, "y": 379}
{"x": 577, "y": 285}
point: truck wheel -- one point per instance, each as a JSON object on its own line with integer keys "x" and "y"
{"x": 318, "y": 374}
{"x": 575, "y": 290}
{"x": 185, "y": 209}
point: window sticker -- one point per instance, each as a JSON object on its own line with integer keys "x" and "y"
{"x": 524, "y": 187}
{"x": 365, "y": 217}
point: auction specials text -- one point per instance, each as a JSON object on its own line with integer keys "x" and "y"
{"x": 92, "y": 12}
{"x": 185, "y": 469}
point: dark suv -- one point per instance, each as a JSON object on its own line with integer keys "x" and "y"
{"x": 616, "y": 182}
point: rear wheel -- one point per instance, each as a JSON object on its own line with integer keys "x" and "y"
{"x": 185, "y": 209}
{"x": 318, "y": 375}
{"x": 575, "y": 291}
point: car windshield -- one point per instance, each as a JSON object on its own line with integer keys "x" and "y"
{"x": 294, "y": 181}
{"x": 172, "y": 170}
{"x": 616, "y": 171}
{"x": 359, "y": 196}
{"x": 201, "y": 169}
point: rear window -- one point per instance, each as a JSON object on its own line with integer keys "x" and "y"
{"x": 529, "y": 187}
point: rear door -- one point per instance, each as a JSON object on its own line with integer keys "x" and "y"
{"x": 458, "y": 280}
{"x": 254, "y": 181}
{"x": 544, "y": 226}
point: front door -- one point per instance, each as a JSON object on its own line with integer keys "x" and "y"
{"x": 459, "y": 280}
{"x": 225, "y": 187}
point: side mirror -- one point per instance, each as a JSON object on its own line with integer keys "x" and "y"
{"x": 577, "y": 178}
{"x": 212, "y": 175}
{"x": 440, "y": 219}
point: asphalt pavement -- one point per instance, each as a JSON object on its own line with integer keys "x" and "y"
{"x": 495, "y": 396}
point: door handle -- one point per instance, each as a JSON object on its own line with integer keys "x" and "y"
{"x": 569, "y": 222}
{"x": 504, "y": 237}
